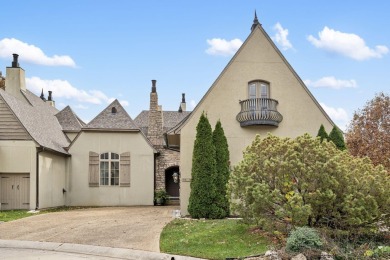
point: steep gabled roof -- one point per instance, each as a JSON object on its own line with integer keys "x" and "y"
{"x": 69, "y": 121}
{"x": 113, "y": 117}
{"x": 39, "y": 121}
{"x": 256, "y": 28}
{"x": 170, "y": 119}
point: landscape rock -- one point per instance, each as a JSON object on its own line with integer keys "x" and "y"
{"x": 299, "y": 257}
{"x": 326, "y": 256}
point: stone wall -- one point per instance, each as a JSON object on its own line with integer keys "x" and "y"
{"x": 166, "y": 159}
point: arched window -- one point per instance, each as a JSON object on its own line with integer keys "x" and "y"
{"x": 109, "y": 169}
{"x": 258, "y": 89}
{"x": 113, "y": 110}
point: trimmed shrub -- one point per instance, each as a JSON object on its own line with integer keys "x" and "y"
{"x": 222, "y": 163}
{"x": 202, "y": 202}
{"x": 322, "y": 134}
{"x": 336, "y": 136}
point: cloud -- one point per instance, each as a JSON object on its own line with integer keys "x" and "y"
{"x": 280, "y": 37}
{"x": 80, "y": 106}
{"x": 223, "y": 47}
{"x": 63, "y": 89}
{"x": 331, "y": 82}
{"x": 346, "y": 44}
{"x": 339, "y": 115}
{"x": 32, "y": 54}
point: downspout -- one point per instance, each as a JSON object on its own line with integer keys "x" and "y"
{"x": 39, "y": 150}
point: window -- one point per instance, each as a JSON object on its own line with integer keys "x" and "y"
{"x": 258, "y": 89}
{"x": 109, "y": 169}
{"x": 113, "y": 110}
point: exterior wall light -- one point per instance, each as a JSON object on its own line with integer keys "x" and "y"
{"x": 175, "y": 177}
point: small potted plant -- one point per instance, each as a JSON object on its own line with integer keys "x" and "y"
{"x": 160, "y": 197}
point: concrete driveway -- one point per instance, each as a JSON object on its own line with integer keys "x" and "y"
{"x": 121, "y": 227}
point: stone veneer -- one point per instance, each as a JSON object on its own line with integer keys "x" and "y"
{"x": 165, "y": 160}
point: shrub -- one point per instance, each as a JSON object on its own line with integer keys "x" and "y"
{"x": 336, "y": 136}
{"x": 222, "y": 165}
{"x": 303, "y": 238}
{"x": 322, "y": 134}
{"x": 202, "y": 202}
{"x": 283, "y": 182}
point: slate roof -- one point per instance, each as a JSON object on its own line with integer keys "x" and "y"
{"x": 107, "y": 120}
{"x": 170, "y": 119}
{"x": 38, "y": 119}
{"x": 69, "y": 121}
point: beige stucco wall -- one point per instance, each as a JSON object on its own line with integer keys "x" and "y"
{"x": 20, "y": 157}
{"x": 257, "y": 60}
{"x": 141, "y": 190}
{"x": 71, "y": 135}
{"x": 52, "y": 175}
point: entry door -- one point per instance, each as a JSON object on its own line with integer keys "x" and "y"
{"x": 15, "y": 191}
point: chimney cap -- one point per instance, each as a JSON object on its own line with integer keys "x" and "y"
{"x": 154, "y": 85}
{"x": 183, "y": 97}
{"x": 15, "y": 63}
{"x": 49, "y": 98}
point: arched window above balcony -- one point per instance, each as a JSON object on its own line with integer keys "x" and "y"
{"x": 258, "y": 89}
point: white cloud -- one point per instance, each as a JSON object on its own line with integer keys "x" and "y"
{"x": 63, "y": 89}
{"x": 223, "y": 47}
{"x": 339, "y": 115}
{"x": 80, "y": 106}
{"x": 193, "y": 104}
{"x": 347, "y": 44}
{"x": 331, "y": 82}
{"x": 280, "y": 37}
{"x": 32, "y": 54}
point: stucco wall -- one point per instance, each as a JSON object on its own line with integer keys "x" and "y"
{"x": 71, "y": 135}
{"x": 20, "y": 157}
{"x": 141, "y": 190}
{"x": 257, "y": 60}
{"x": 52, "y": 176}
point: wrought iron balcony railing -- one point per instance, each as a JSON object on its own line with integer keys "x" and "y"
{"x": 259, "y": 111}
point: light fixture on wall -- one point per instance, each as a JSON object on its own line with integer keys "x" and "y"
{"x": 175, "y": 177}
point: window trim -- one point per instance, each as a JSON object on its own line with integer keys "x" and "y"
{"x": 110, "y": 178}
{"x": 258, "y": 83}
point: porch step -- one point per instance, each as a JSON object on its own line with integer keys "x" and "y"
{"x": 173, "y": 202}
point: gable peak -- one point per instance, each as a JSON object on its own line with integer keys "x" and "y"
{"x": 255, "y": 22}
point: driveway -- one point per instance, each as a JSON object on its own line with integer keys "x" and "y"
{"x": 122, "y": 227}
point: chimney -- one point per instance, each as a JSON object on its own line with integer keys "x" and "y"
{"x": 15, "y": 81}
{"x": 50, "y": 99}
{"x": 183, "y": 103}
{"x": 155, "y": 120}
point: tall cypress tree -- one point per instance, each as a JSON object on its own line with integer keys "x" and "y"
{"x": 202, "y": 202}
{"x": 322, "y": 133}
{"x": 336, "y": 136}
{"x": 222, "y": 162}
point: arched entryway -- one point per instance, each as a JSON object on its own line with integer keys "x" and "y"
{"x": 172, "y": 186}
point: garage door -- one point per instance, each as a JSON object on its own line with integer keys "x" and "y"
{"x": 14, "y": 191}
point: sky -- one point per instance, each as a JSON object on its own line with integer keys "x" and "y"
{"x": 91, "y": 52}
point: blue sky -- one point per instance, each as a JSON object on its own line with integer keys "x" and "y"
{"x": 90, "y": 52}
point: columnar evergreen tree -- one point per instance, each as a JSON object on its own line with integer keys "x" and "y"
{"x": 336, "y": 136}
{"x": 222, "y": 162}
{"x": 322, "y": 133}
{"x": 203, "y": 191}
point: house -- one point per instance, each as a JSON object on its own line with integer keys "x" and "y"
{"x": 258, "y": 92}
{"x": 51, "y": 158}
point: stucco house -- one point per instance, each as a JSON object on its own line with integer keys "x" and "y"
{"x": 51, "y": 158}
{"x": 258, "y": 92}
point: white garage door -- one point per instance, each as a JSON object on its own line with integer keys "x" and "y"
{"x": 14, "y": 191}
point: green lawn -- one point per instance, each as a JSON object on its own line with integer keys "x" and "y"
{"x": 211, "y": 239}
{"x": 9, "y": 215}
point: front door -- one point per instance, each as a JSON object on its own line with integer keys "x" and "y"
{"x": 171, "y": 186}
{"x": 14, "y": 191}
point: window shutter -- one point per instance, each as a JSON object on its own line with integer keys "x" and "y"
{"x": 93, "y": 169}
{"x": 124, "y": 171}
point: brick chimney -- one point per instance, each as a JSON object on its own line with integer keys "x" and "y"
{"x": 155, "y": 120}
{"x": 15, "y": 80}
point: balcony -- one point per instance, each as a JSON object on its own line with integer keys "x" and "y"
{"x": 259, "y": 111}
